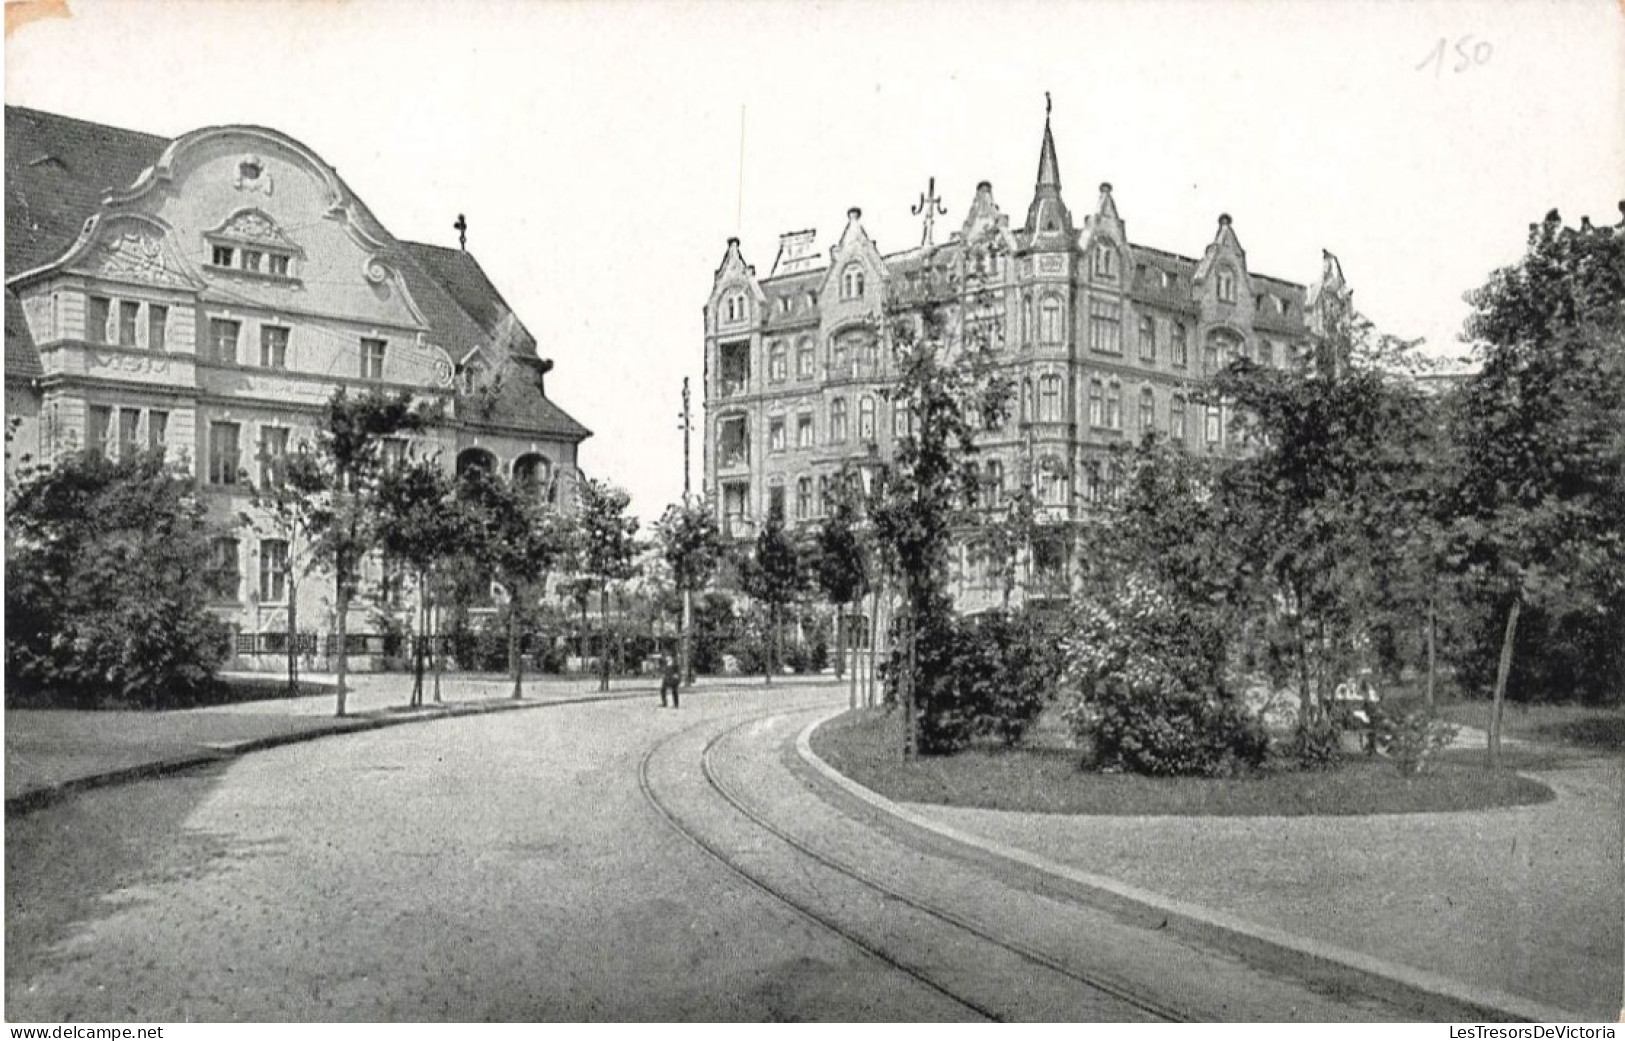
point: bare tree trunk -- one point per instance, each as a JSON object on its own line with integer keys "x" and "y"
{"x": 422, "y": 635}
{"x": 840, "y": 651}
{"x": 772, "y": 644}
{"x": 516, "y": 663}
{"x": 293, "y": 640}
{"x": 603, "y": 635}
{"x": 911, "y": 740}
{"x": 1502, "y": 671}
{"x": 436, "y": 653}
{"x": 687, "y": 639}
{"x": 341, "y": 599}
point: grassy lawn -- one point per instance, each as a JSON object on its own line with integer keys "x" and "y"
{"x": 866, "y": 746}
{"x": 1572, "y": 726}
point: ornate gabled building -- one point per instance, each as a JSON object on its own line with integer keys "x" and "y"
{"x": 1103, "y": 339}
{"x": 208, "y": 294}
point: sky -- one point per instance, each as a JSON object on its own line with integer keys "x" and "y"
{"x": 605, "y": 152}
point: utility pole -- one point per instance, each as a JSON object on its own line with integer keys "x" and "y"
{"x": 685, "y": 638}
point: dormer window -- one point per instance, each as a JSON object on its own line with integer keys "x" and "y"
{"x": 277, "y": 264}
{"x": 852, "y": 282}
{"x": 1106, "y": 262}
{"x": 1227, "y": 286}
{"x": 1169, "y": 279}
{"x": 223, "y": 256}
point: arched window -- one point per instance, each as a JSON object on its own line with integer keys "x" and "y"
{"x": 1114, "y": 405}
{"x": 1148, "y": 409}
{"x": 1215, "y": 425}
{"x": 866, "y": 418}
{"x": 837, "y": 357}
{"x": 1176, "y": 418}
{"x": 1049, "y": 398}
{"x": 1179, "y": 345}
{"x": 837, "y": 421}
{"x": 1090, "y": 476}
{"x": 1049, "y": 321}
{"x": 804, "y": 498}
{"x": 1266, "y": 353}
{"x": 852, "y": 281}
{"x": 1027, "y": 320}
{"x": 1148, "y": 338}
{"x": 733, "y": 306}
{"x": 1106, "y": 261}
{"x": 534, "y": 473}
{"x": 1097, "y": 403}
{"x": 476, "y": 459}
{"x": 902, "y": 420}
{"x": 1027, "y": 400}
{"x": 806, "y": 358}
{"x": 1227, "y": 285}
{"x": 778, "y": 361}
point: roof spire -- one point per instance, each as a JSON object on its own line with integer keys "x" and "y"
{"x": 1048, "y": 214}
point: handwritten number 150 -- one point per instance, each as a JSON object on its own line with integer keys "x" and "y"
{"x": 1468, "y": 54}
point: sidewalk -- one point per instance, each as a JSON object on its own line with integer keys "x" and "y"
{"x": 52, "y": 752}
{"x": 1527, "y": 900}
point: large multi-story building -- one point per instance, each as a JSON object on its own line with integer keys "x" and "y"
{"x": 207, "y": 295}
{"x": 1102, "y": 338}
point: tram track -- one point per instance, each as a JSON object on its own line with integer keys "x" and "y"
{"x": 961, "y": 926}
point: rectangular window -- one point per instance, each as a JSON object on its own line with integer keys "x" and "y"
{"x": 1105, "y": 322}
{"x": 1180, "y": 345}
{"x": 99, "y": 430}
{"x": 775, "y": 500}
{"x": 223, "y": 333}
{"x": 222, "y": 256}
{"x": 277, "y": 264}
{"x": 223, "y": 456}
{"x": 96, "y": 319}
{"x": 273, "y": 570}
{"x": 129, "y": 432}
{"x": 1215, "y": 425}
{"x": 1176, "y": 418}
{"x": 775, "y": 435}
{"x": 372, "y": 359}
{"x": 804, "y": 431}
{"x": 252, "y": 258}
{"x": 1148, "y": 338}
{"x": 273, "y": 346}
{"x": 395, "y": 451}
{"x": 274, "y": 456}
{"x": 224, "y": 579}
{"x": 804, "y": 498}
{"x": 129, "y": 319}
{"x": 157, "y": 430}
{"x": 157, "y": 326}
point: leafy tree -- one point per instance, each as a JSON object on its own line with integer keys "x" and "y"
{"x": 518, "y": 540}
{"x": 1004, "y": 533}
{"x": 949, "y": 388}
{"x": 283, "y": 510}
{"x": 774, "y": 575}
{"x": 606, "y": 549}
{"x": 343, "y": 502}
{"x": 842, "y": 567}
{"x": 691, "y": 547}
{"x": 424, "y": 526}
{"x": 1541, "y": 432}
{"x": 105, "y": 599}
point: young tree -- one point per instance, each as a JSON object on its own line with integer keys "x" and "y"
{"x": 423, "y": 525}
{"x": 518, "y": 540}
{"x": 774, "y": 576}
{"x": 842, "y": 564}
{"x": 344, "y": 508}
{"x": 283, "y": 509}
{"x": 1541, "y": 432}
{"x": 691, "y": 546}
{"x": 949, "y": 389}
{"x": 606, "y": 549}
{"x": 105, "y": 598}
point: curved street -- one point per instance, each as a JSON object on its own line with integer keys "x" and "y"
{"x": 607, "y": 861}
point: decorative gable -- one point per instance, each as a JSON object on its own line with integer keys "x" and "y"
{"x": 131, "y": 248}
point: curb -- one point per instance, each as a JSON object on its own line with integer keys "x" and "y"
{"x": 36, "y": 798}
{"x": 1380, "y": 977}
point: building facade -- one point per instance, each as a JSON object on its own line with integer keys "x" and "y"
{"x": 206, "y": 296}
{"x": 1102, "y": 338}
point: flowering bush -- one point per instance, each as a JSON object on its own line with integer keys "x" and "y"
{"x": 1151, "y": 695}
{"x": 1410, "y": 738}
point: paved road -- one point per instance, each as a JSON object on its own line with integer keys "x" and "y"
{"x": 512, "y": 868}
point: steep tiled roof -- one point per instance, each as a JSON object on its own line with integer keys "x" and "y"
{"x": 58, "y": 170}
{"x": 465, "y": 281}
{"x": 22, "y": 358}
{"x": 520, "y": 403}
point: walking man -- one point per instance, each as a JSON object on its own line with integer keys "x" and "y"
{"x": 670, "y": 679}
